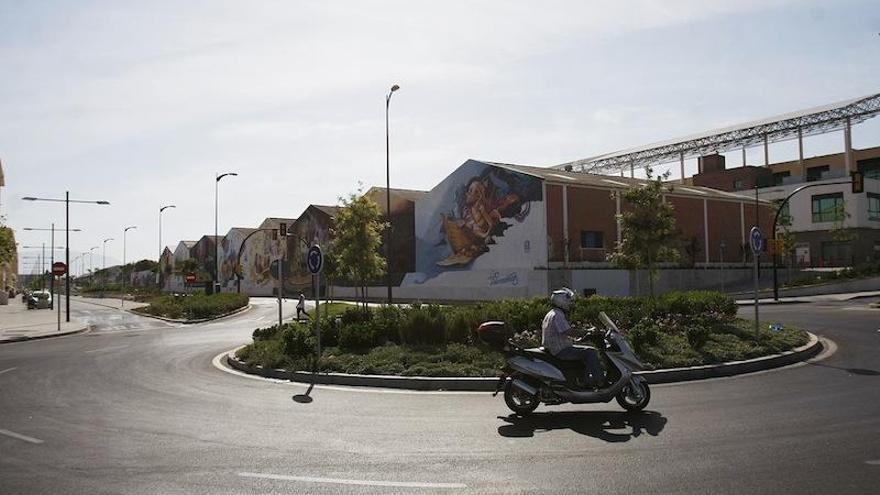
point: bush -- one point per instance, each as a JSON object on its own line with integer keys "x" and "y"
{"x": 194, "y": 306}
{"x": 298, "y": 341}
{"x": 423, "y": 325}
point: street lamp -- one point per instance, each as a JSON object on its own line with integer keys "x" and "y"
{"x": 216, "y": 207}
{"x": 67, "y": 202}
{"x": 122, "y": 296}
{"x": 159, "y": 259}
{"x": 388, "y": 195}
{"x": 91, "y": 265}
{"x": 52, "y": 280}
{"x": 104, "y": 254}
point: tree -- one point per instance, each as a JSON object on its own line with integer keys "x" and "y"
{"x": 648, "y": 230}
{"x": 357, "y": 237}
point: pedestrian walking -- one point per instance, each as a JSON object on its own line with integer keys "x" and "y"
{"x": 301, "y": 306}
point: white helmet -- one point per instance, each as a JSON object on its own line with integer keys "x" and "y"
{"x": 561, "y": 298}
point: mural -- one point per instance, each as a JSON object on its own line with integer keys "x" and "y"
{"x": 482, "y": 217}
{"x": 259, "y": 261}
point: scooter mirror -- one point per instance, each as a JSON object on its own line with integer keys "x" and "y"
{"x": 607, "y": 322}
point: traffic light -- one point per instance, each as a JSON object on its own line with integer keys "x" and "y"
{"x": 858, "y": 182}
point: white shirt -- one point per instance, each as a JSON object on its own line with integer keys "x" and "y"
{"x": 553, "y": 330}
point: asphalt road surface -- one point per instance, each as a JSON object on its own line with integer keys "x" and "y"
{"x": 136, "y": 406}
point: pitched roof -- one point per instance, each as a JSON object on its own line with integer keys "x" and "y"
{"x": 329, "y": 210}
{"x": 554, "y": 176}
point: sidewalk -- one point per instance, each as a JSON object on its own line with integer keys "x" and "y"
{"x": 19, "y": 323}
{"x": 810, "y": 299}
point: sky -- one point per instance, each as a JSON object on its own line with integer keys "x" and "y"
{"x": 142, "y": 103}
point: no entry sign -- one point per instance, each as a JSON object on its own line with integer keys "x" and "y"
{"x": 190, "y": 278}
{"x": 59, "y": 268}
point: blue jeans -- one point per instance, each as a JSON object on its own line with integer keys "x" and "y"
{"x": 590, "y": 357}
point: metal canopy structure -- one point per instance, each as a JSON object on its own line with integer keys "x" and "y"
{"x": 812, "y": 121}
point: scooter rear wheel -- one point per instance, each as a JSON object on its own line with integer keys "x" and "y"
{"x": 519, "y": 401}
{"x": 629, "y": 400}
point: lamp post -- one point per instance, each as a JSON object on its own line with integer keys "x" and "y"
{"x": 51, "y": 280}
{"x": 122, "y": 296}
{"x": 104, "y": 263}
{"x": 159, "y": 264}
{"x": 388, "y": 194}
{"x": 67, "y": 202}
{"x": 91, "y": 265}
{"x": 216, "y": 287}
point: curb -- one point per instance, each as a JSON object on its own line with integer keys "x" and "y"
{"x": 44, "y": 336}
{"x": 487, "y": 384}
{"x": 188, "y": 322}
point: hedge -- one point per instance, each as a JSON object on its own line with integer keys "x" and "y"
{"x": 194, "y": 306}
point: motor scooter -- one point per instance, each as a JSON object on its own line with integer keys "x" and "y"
{"x": 532, "y": 377}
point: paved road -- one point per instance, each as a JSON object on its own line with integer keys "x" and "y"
{"x": 136, "y": 406}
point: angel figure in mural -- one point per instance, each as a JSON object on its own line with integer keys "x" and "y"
{"x": 481, "y": 211}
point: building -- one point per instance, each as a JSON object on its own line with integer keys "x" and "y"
{"x": 203, "y": 254}
{"x": 402, "y": 224}
{"x": 829, "y": 225}
{"x": 311, "y": 227}
{"x": 493, "y": 230}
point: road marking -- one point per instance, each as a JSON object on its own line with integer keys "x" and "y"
{"x": 20, "y": 437}
{"x": 873, "y": 463}
{"x": 10, "y": 369}
{"x": 337, "y": 481}
{"x": 111, "y": 348}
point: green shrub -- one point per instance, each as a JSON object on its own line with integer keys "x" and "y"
{"x": 194, "y": 306}
{"x": 357, "y": 336}
{"x": 423, "y": 325}
{"x": 298, "y": 341}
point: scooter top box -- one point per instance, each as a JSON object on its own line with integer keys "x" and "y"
{"x": 494, "y": 334}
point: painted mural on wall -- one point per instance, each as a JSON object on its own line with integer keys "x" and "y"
{"x": 482, "y": 217}
{"x": 259, "y": 265}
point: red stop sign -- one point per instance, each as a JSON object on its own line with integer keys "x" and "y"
{"x": 59, "y": 268}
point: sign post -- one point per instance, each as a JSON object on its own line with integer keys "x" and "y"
{"x": 315, "y": 261}
{"x": 58, "y": 270}
{"x": 756, "y": 240}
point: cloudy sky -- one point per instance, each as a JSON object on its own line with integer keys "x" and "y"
{"x": 141, "y": 103}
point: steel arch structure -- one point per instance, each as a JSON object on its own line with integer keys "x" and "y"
{"x": 812, "y": 121}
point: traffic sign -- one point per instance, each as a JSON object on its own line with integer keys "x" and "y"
{"x": 190, "y": 278}
{"x": 315, "y": 259}
{"x": 59, "y": 268}
{"x": 756, "y": 240}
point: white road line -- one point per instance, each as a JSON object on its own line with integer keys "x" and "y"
{"x": 873, "y": 463}
{"x": 20, "y": 437}
{"x": 111, "y": 348}
{"x": 337, "y": 481}
{"x": 10, "y": 369}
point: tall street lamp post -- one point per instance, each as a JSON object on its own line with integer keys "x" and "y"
{"x": 52, "y": 280}
{"x": 216, "y": 287}
{"x": 388, "y": 194}
{"x": 67, "y": 202}
{"x": 159, "y": 264}
{"x": 91, "y": 265}
{"x": 104, "y": 262}
{"x": 124, "y": 233}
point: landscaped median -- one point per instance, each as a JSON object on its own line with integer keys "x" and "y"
{"x": 687, "y": 329}
{"x": 192, "y": 308}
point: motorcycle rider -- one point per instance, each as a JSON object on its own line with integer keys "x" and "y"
{"x": 557, "y": 333}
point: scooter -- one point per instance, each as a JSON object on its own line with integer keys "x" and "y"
{"x": 534, "y": 376}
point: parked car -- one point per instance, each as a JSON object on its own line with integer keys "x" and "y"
{"x": 40, "y": 299}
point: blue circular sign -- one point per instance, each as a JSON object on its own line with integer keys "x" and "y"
{"x": 315, "y": 259}
{"x": 756, "y": 240}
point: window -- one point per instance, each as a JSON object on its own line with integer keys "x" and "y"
{"x": 873, "y": 206}
{"x": 779, "y": 177}
{"x": 738, "y": 185}
{"x": 870, "y": 167}
{"x": 592, "y": 239}
{"x": 828, "y": 207}
{"x": 815, "y": 173}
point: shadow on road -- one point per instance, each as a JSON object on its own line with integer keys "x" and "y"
{"x": 852, "y": 371}
{"x": 604, "y": 425}
{"x": 304, "y": 398}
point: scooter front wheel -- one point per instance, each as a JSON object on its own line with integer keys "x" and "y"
{"x": 634, "y": 396}
{"x": 520, "y": 402}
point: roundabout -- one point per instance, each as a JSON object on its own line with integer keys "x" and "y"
{"x": 136, "y": 407}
